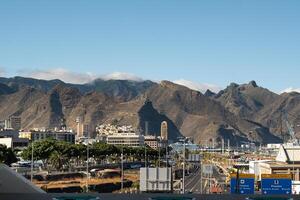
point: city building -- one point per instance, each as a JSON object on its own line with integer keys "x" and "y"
{"x": 179, "y": 146}
{"x": 271, "y": 149}
{"x": 79, "y": 127}
{"x": 10, "y": 142}
{"x": 66, "y": 136}
{"x": 6, "y": 142}
{"x": 151, "y": 141}
{"x": 14, "y": 123}
{"x": 109, "y": 129}
{"x": 13, "y": 137}
{"x": 286, "y": 162}
{"x": 9, "y": 133}
{"x": 289, "y": 154}
{"x": 2, "y": 124}
{"x": 164, "y": 131}
{"x": 126, "y": 139}
{"x": 259, "y": 167}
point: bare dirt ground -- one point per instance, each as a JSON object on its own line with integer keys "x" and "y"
{"x": 130, "y": 175}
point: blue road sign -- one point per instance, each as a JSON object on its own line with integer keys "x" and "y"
{"x": 276, "y": 186}
{"x": 246, "y": 186}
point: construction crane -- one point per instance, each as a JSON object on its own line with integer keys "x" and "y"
{"x": 290, "y": 128}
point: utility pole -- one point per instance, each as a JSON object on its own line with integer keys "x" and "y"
{"x": 145, "y": 155}
{"x": 122, "y": 170}
{"x": 183, "y": 170}
{"x": 223, "y": 146}
{"x": 31, "y": 175}
{"x": 209, "y": 175}
{"x": 167, "y": 164}
{"x": 159, "y": 146}
{"x": 87, "y": 161}
{"x": 201, "y": 179}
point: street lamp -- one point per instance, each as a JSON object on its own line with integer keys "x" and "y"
{"x": 159, "y": 146}
{"x": 87, "y": 163}
{"x": 183, "y": 169}
{"x": 31, "y": 175}
{"x": 122, "y": 169}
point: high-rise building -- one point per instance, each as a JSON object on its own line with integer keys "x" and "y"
{"x": 80, "y": 127}
{"x": 164, "y": 131}
{"x": 14, "y": 123}
{"x": 86, "y": 130}
{"x": 7, "y": 124}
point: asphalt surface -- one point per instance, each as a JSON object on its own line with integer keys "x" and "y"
{"x": 193, "y": 181}
{"x": 219, "y": 177}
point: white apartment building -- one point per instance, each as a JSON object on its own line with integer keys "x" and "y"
{"x": 126, "y": 139}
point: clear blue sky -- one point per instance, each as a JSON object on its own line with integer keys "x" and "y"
{"x": 211, "y": 41}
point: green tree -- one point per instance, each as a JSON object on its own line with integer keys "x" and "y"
{"x": 7, "y": 156}
{"x": 56, "y": 160}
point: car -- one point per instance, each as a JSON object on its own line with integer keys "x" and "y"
{"x": 135, "y": 166}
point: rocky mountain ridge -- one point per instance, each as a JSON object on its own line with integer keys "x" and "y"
{"x": 239, "y": 113}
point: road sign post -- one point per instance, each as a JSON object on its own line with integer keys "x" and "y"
{"x": 243, "y": 185}
{"x": 276, "y": 184}
{"x": 207, "y": 169}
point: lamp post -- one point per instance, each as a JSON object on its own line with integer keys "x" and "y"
{"x": 183, "y": 169}
{"x": 122, "y": 170}
{"x": 159, "y": 146}
{"x": 87, "y": 162}
{"x": 31, "y": 174}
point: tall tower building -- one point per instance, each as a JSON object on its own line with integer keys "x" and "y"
{"x": 164, "y": 131}
{"x": 80, "y": 127}
{"x": 14, "y": 122}
{"x": 86, "y": 130}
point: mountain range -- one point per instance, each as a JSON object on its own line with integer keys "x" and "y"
{"x": 239, "y": 113}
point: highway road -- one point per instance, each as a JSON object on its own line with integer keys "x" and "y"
{"x": 193, "y": 180}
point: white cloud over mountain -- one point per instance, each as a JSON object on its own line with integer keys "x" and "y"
{"x": 121, "y": 76}
{"x": 202, "y": 87}
{"x": 79, "y": 78}
{"x": 62, "y": 74}
{"x": 2, "y": 71}
{"x": 291, "y": 89}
